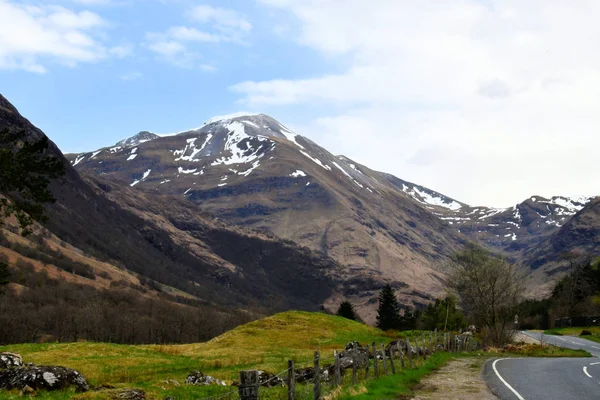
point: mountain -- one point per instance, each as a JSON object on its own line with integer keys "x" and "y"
{"x": 174, "y": 245}
{"x": 252, "y": 171}
{"x": 516, "y": 230}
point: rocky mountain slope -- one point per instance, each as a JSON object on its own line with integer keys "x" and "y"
{"x": 181, "y": 248}
{"x": 250, "y": 170}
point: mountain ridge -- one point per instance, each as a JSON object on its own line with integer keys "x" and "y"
{"x": 250, "y": 170}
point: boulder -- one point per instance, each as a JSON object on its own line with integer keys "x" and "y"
{"x": 585, "y": 333}
{"x": 268, "y": 379}
{"x": 304, "y": 375}
{"x": 353, "y": 353}
{"x": 129, "y": 394}
{"x": 10, "y": 360}
{"x": 42, "y": 377}
{"x": 199, "y": 379}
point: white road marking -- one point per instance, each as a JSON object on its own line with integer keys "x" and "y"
{"x": 585, "y": 372}
{"x": 503, "y": 381}
{"x": 596, "y": 363}
{"x": 596, "y": 347}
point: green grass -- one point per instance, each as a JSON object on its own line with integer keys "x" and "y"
{"x": 401, "y": 384}
{"x": 266, "y": 344}
{"x": 576, "y": 331}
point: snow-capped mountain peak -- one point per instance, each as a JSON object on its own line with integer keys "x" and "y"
{"x": 141, "y": 137}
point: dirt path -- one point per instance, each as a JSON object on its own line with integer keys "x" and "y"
{"x": 460, "y": 379}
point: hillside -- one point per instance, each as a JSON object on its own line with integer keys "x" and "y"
{"x": 252, "y": 171}
{"x": 205, "y": 269}
{"x": 265, "y": 344}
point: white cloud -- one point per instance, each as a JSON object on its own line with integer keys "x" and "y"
{"x": 225, "y": 20}
{"x": 192, "y": 34}
{"x": 31, "y": 37}
{"x": 179, "y": 44}
{"x": 488, "y": 102}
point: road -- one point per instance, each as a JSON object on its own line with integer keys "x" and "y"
{"x": 547, "y": 378}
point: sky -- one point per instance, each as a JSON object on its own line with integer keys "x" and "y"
{"x": 486, "y": 101}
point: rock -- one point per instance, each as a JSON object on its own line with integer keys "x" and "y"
{"x": 353, "y": 352}
{"x": 10, "y": 360}
{"x": 26, "y": 391}
{"x": 42, "y": 377}
{"x": 585, "y": 333}
{"x": 199, "y": 379}
{"x": 304, "y": 375}
{"x": 268, "y": 379}
{"x": 194, "y": 378}
{"x": 172, "y": 382}
{"x": 130, "y": 394}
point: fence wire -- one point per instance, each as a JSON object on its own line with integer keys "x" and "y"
{"x": 304, "y": 391}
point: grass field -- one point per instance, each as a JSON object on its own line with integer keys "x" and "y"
{"x": 576, "y": 331}
{"x": 266, "y": 344}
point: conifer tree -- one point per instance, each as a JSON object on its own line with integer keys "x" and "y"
{"x": 25, "y": 172}
{"x": 346, "y": 310}
{"x": 388, "y": 313}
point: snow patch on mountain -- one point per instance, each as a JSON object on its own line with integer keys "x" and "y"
{"x": 427, "y": 198}
{"x": 316, "y": 160}
{"x": 78, "y": 159}
{"x": 298, "y": 174}
{"x": 242, "y": 153}
{"x": 230, "y": 117}
{"x": 146, "y": 174}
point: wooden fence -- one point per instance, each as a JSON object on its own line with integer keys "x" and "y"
{"x": 359, "y": 362}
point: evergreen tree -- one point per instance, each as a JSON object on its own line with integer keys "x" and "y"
{"x": 443, "y": 314}
{"x": 25, "y": 172}
{"x": 388, "y": 314}
{"x": 346, "y": 310}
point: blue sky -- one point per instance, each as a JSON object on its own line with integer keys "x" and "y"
{"x": 489, "y": 102}
{"x": 95, "y": 103}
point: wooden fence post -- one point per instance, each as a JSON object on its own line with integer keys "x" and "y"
{"x": 417, "y": 347}
{"x": 291, "y": 380}
{"x": 392, "y": 360}
{"x": 424, "y": 346}
{"x": 400, "y": 353}
{"x": 336, "y": 369}
{"x": 410, "y": 353}
{"x": 435, "y": 340}
{"x": 354, "y": 363}
{"x": 375, "y": 365}
{"x": 384, "y": 359}
{"x": 248, "y": 388}
{"x": 430, "y": 342}
{"x": 368, "y": 362}
{"x": 317, "y": 377}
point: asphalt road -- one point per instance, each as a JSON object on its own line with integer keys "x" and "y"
{"x": 547, "y": 378}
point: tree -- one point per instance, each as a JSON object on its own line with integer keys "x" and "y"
{"x": 25, "y": 172}
{"x": 346, "y": 310}
{"x": 443, "y": 314}
{"x": 388, "y": 313}
{"x": 571, "y": 295}
{"x": 489, "y": 292}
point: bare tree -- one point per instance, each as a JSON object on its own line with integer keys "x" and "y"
{"x": 489, "y": 291}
